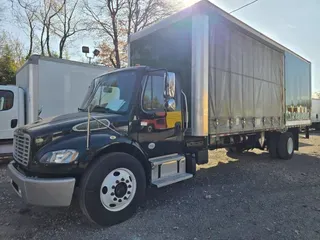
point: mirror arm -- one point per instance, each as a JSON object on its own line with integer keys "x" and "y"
{"x": 166, "y": 85}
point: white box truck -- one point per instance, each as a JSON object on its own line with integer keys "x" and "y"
{"x": 212, "y": 82}
{"x": 315, "y": 113}
{"x": 45, "y": 87}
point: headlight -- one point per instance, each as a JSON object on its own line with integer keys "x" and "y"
{"x": 62, "y": 156}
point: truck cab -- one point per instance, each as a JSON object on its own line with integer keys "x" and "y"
{"x": 11, "y": 100}
{"x": 107, "y": 149}
{"x": 12, "y": 116}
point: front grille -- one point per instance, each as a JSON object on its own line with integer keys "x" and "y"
{"x": 21, "y": 148}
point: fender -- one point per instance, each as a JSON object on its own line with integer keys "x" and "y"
{"x": 100, "y": 143}
{"x": 119, "y": 144}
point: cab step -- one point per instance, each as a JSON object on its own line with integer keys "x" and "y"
{"x": 168, "y": 169}
{"x": 161, "y": 182}
{"x": 167, "y": 158}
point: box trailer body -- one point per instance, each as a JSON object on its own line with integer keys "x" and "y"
{"x": 205, "y": 81}
{"x": 45, "y": 87}
{"x": 236, "y": 79}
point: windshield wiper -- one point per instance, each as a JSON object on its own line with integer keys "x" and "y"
{"x": 82, "y": 110}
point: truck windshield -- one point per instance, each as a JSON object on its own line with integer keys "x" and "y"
{"x": 112, "y": 93}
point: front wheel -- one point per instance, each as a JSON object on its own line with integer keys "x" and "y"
{"x": 112, "y": 188}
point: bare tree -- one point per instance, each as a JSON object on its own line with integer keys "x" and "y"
{"x": 69, "y": 23}
{"x": 47, "y": 11}
{"x": 42, "y": 20}
{"x": 24, "y": 12}
{"x": 107, "y": 57}
{"x": 142, "y": 13}
{"x": 104, "y": 15}
{"x": 116, "y": 20}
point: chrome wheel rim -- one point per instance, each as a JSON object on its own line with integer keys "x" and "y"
{"x": 118, "y": 189}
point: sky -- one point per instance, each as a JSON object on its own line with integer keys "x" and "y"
{"x": 292, "y": 23}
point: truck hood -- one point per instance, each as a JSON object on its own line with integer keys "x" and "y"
{"x": 65, "y": 123}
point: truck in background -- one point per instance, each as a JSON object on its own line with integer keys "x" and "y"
{"x": 315, "y": 113}
{"x": 45, "y": 87}
{"x": 217, "y": 82}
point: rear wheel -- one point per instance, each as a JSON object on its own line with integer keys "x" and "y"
{"x": 286, "y": 146}
{"x": 272, "y": 144}
{"x": 236, "y": 149}
{"x": 112, "y": 188}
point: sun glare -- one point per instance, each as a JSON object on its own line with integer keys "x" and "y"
{"x": 187, "y": 3}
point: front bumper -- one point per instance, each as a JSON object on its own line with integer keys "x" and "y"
{"x": 50, "y": 192}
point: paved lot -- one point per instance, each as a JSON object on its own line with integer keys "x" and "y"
{"x": 233, "y": 197}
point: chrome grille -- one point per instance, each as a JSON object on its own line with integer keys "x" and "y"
{"x": 21, "y": 146}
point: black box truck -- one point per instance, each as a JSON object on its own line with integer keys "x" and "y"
{"x": 199, "y": 80}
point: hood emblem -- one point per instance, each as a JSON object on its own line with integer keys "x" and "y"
{"x": 113, "y": 137}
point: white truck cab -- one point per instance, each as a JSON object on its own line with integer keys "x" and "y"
{"x": 12, "y": 114}
{"x": 12, "y": 110}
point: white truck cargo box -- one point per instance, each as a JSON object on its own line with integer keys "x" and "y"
{"x": 55, "y": 86}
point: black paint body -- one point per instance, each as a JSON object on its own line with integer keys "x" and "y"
{"x": 58, "y": 134}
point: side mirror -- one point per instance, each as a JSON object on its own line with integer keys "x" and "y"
{"x": 170, "y": 84}
{"x": 171, "y": 105}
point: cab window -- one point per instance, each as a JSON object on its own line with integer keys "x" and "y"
{"x": 6, "y": 100}
{"x": 153, "y": 98}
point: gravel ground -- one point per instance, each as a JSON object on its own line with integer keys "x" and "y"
{"x": 244, "y": 196}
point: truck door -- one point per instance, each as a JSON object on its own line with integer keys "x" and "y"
{"x": 9, "y": 111}
{"x": 160, "y": 119}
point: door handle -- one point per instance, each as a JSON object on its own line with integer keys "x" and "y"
{"x": 14, "y": 123}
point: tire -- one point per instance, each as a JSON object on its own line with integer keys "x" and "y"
{"x": 286, "y": 146}
{"x": 273, "y": 148}
{"x": 272, "y": 144}
{"x": 100, "y": 186}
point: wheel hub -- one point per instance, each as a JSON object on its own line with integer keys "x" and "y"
{"x": 118, "y": 189}
{"x": 121, "y": 190}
